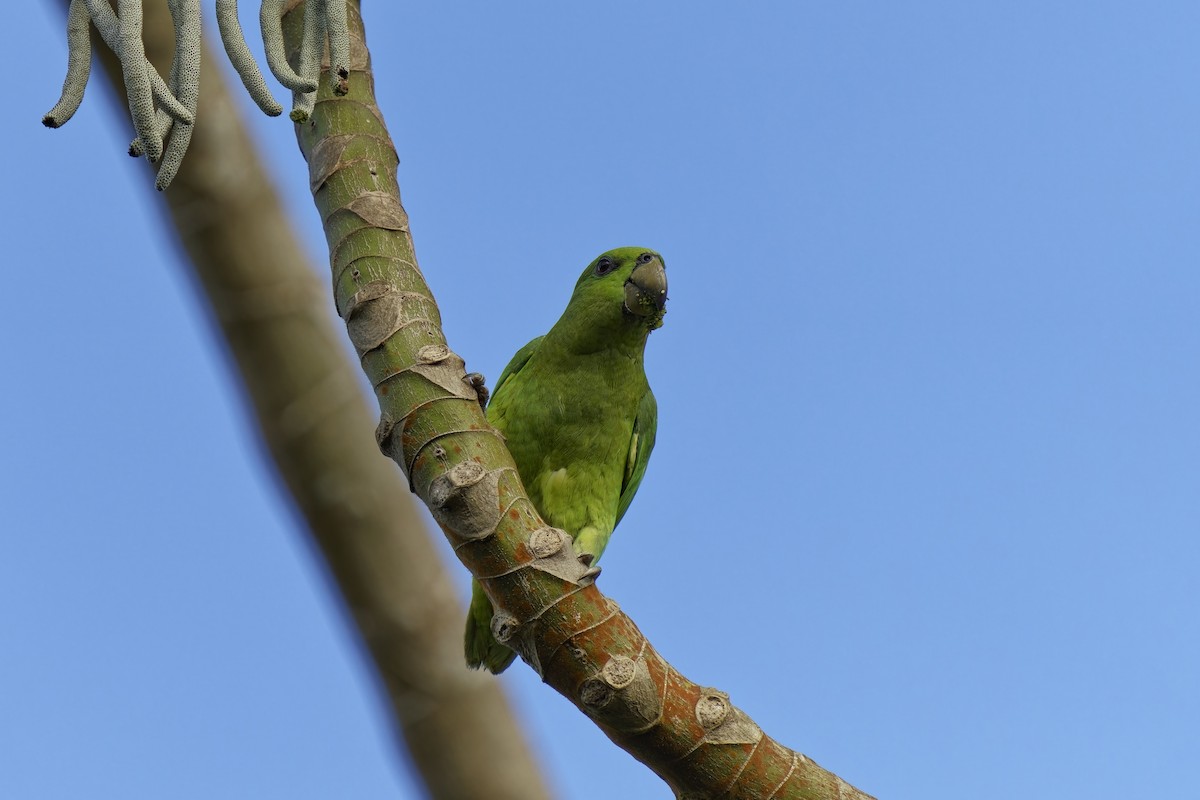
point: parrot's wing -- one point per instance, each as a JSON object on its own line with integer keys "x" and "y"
{"x": 514, "y": 366}
{"x": 645, "y": 425}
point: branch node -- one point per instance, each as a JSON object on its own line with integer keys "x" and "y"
{"x": 619, "y": 672}
{"x": 723, "y": 722}
{"x": 640, "y": 706}
{"x": 468, "y": 473}
{"x": 467, "y": 500}
{"x": 558, "y": 559}
{"x": 504, "y": 626}
{"x": 546, "y": 542}
{"x": 373, "y": 314}
{"x": 595, "y": 694}
{"x": 433, "y": 354}
{"x": 712, "y": 708}
{"x": 383, "y": 434}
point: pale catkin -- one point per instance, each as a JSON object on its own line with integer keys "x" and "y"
{"x": 270, "y": 18}
{"x": 339, "y": 45}
{"x": 137, "y": 80}
{"x": 243, "y": 61}
{"x": 312, "y": 51}
{"x": 79, "y": 66}
{"x": 163, "y": 112}
{"x": 185, "y": 82}
{"x": 108, "y": 25}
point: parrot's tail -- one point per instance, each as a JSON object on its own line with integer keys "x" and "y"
{"x": 481, "y": 647}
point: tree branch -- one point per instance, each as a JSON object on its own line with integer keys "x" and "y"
{"x": 548, "y": 608}
{"x": 274, "y": 318}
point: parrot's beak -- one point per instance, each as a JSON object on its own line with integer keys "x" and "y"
{"x": 646, "y": 290}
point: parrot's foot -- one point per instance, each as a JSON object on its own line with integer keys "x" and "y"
{"x": 476, "y": 381}
{"x": 591, "y": 572}
{"x": 588, "y": 545}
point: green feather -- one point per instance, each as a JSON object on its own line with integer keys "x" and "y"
{"x": 578, "y": 415}
{"x": 645, "y": 426}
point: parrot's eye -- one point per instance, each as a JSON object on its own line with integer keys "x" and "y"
{"x": 645, "y": 258}
{"x": 605, "y": 266}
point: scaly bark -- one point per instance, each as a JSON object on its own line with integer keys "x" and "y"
{"x": 548, "y": 608}
{"x": 273, "y": 315}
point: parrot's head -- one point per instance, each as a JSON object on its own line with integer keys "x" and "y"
{"x": 624, "y": 289}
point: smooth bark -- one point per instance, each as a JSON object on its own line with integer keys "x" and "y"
{"x": 548, "y": 606}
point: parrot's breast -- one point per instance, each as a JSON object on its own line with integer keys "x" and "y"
{"x": 569, "y": 432}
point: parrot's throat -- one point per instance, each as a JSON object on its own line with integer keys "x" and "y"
{"x": 626, "y": 340}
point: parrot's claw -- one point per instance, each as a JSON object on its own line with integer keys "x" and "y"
{"x": 589, "y": 574}
{"x": 476, "y": 381}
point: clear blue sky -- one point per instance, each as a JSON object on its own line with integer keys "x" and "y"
{"x": 926, "y": 495}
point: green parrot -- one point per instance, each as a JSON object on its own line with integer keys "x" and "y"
{"x": 578, "y": 415}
